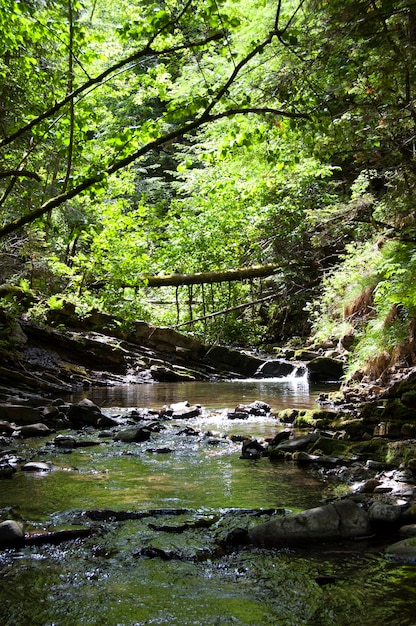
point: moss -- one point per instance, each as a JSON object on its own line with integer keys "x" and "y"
{"x": 396, "y": 410}
{"x": 330, "y": 446}
{"x": 315, "y": 419}
{"x": 401, "y": 451}
{"x": 376, "y": 448}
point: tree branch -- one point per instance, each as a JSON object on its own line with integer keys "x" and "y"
{"x": 18, "y": 173}
{"x": 144, "y": 52}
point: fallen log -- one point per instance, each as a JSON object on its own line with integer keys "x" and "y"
{"x": 198, "y": 278}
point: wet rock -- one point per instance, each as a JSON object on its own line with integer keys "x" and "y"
{"x": 65, "y": 441}
{"x": 275, "y": 368}
{"x": 11, "y": 532}
{"x": 36, "y": 466}
{"x": 34, "y": 430}
{"x": 255, "y": 408}
{"x": 189, "y": 432}
{"x": 297, "y": 443}
{"x": 133, "y": 435}
{"x": 238, "y": 415}
{"x": 303, "y": 458}
{"x": 159, "y": 450}
{"x": 187, "y": 412}
{"x": 56, "y": 536}
{"x": 325, "y": 369}
{"x": 84, "y": 413}
{"x": 6, "y": 428}
{"x": 342, "y": 519}
{"x": 252, "y": 450}
{"x": 6, "y": 470}
{"x": 281, "y": 436}
{"x": 104, "y": 421}
{"x": 164, "y": 374}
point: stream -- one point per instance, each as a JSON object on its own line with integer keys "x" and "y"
{"x": 163, "y": 562}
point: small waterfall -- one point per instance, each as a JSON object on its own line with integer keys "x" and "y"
{"x": 280, "y": 368}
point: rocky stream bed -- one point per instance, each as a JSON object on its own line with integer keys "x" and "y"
{"x": 360, "y": 445}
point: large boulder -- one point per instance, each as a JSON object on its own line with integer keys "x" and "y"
{"x": 325, "y": 369}
{"x": 342, "y": 519}
{"x": 84, "y": 413}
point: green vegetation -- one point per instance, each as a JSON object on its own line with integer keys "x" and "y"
{"x": 152, "y": 138}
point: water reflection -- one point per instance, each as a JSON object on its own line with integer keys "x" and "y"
{"x": 279, "y": 393}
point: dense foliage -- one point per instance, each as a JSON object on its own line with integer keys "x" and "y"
{"x": 148, "y": 138}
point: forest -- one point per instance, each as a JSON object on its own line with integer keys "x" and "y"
{"x": 245, "y": 172}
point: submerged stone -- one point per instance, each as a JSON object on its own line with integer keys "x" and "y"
{"x": 342, "y": 519}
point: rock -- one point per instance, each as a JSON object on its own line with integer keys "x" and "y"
{"x": 381, "y": 513}
{"x": 238, "y": 415}
{"x": 298, "y": 443}
{"x": 19, "y": 414}
{"x": 303, "y": 458}
{"x": 6, "y": 428}
{"x": 252, "y": 449}
{"x": 369, "y": 486}
{"x": 404, "y": 550}
{"x": 325, "y": 369}
{"x": 51, "y": 413}
{"x": 165, "y": 374}
{"x": 276, "y": 368}
{"x": 188, "y": 413}
{"x": 133, "y": 435}
{"x": 283, "y": 435}
{"x": 36, "y": 467}
{"x": 255, "y": 408}
{"x": 34, "y": 430}
{"x": 11, "y": 532}
{"x": 341, "y": 519}
{"x": 84, "y": 413}
{"x": 6, "y": 470}
{"x": 409, "y": 530}
{"x": 65, "y": 441}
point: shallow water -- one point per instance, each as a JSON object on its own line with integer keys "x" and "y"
{"x": 279, "y": 393}
{"x": 166, "y": 568}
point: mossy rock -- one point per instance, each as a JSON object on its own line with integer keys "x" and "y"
{"x": 330, "y": 446}
{"x": 375, "y": 448}
{"x": 288, "y": 416}
{"x": 409, "y": 399}
{"x": 372, "y": 412}
{"x": 315, "y": 419}
{"x": 408, "y": 430}
{"x": 403, "y": 387}
{"x": 396, "y": 410}
{"x": 401, "y": 451}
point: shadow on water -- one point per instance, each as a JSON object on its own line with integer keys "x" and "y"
{"x": 168, "y": 569}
